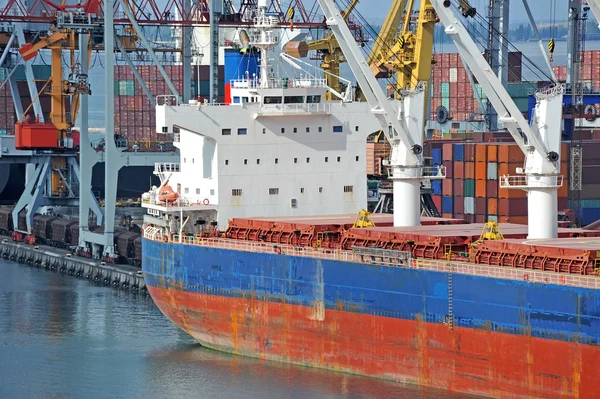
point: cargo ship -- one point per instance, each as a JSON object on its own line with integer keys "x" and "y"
{"x": 317, "y": 281}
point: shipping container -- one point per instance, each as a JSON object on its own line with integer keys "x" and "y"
{"x": 469, "y": 206}
{"x": 480, "y": 188}
{"x": 492, "y": 153}
{"x": 469, "y": 170}
{"x": 458, "y": 185}
{"x": 492, "y": 171}
{"x": 447, "y": 204}
{"x": 447, "y": 152}
{"x": 508, "y": 153}
{"x": 436, "y": 186}
{"x": 492, "y": 189}
{"x": 492, "y": 206}
{"x": 480, "y": 171}
{"x": 449, "y": 173}
{"x": 447, "y": 187}
{"x": 436, "y": 154}
{"x": 459, "y": 153}
{"x": 469, "y": 188}
{"x": 512, "y": 206}
{"x": 459, "y": 205}
{"x": 458, "y": 170}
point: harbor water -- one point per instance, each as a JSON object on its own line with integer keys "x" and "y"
{"x": 62, "y": 337}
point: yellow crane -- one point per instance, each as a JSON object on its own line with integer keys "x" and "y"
{"x": 329, "y": 53}
{"x": 408, "y": 54}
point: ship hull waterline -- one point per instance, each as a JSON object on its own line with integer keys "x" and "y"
{"x": 470, "y": 360}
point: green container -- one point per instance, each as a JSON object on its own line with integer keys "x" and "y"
{"x": 590, "y": 203}
{"x": 446, "y": 102}
{"x": 445, "y": 89}
{"x": 129, "y": 88}
{"x": 469, "y": 188}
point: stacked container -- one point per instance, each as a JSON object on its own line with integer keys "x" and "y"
{"x": 135, "y": 117}
{"x": 471, "y": 188}
{"x": 450, "y": 86}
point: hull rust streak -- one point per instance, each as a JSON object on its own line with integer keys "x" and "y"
{"x": 510, "y": 338}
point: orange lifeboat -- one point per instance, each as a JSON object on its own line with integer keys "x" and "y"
{"x": 167, "y": 194}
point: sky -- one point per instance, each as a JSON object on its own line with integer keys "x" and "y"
{"x": 539, "y": 8}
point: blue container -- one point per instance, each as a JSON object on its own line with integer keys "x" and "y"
{"x": 447, "y": 204}
{"x": 589, "y": 215}
{"x": 436, "y": 186}
{"x": 240, "y": 66}
{"x": 459, "y": 152}
{"x": 436, "y": 154}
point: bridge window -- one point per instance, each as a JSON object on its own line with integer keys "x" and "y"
{"x": 302, "y": 190}
{"x": 320, "y": 189}
{"x": 242, "y": 131}
{"x": 356, "y": 128}
{"x": 236, "y": 100}
{"x": 276, "y": 160}
{"x": 245, "y": 162}
{"x": 282, "y": 130}
{"x": 197, "y": 191}
{"x": 226, "y": 132}
{"x": 313, "y": 99}
{"x": 272, "y": 100}
{"x": 295, "y": 130}
{"x": 227, "y": 162}
{"x": 293, "y": 99}
{"x": 339, "y": 159}
{"x": 357, "y": 158}
{"x": 338, "y": 129}
{"x": 320, "y": 129}
{"x": 307, "y": 160}
{"x": 307, "y": 130}
{"x": 326, "y": 159}
{"x": 274, "y": 191}
{"x": 258, "y": 161}
{"x": 264, "y": 130}
{"x": 236, "y": 192}
{"x": 295, "y": 160}
{"x": 348, "y": 189}
{"x": 186, "y": 190}
{"x": 212, "y": 191}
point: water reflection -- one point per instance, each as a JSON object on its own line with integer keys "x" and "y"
{"x": 61, "y": 337}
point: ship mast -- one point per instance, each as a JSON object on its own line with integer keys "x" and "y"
{"x": 264, "y": 39}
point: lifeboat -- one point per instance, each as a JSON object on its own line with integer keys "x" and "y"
{"x": 167, "y": 194}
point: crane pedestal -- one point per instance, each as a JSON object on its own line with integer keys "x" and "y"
{"x": 542, "y": 202}
{"x": 406, "y": 184}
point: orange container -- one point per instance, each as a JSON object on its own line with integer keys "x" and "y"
{"x": 469, "y": 170}
{"x": 480, "y": 153}
{"x": 480, "y": 188}
{"x": 481, "y": 170}
{"x": 565, "y": 152}
{"x": 510, "y": 153}
{"x": 516, "y": 219}
{"x": 492, "y": 153}
{"x": 492, "y": 206}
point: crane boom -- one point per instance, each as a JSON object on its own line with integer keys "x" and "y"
{"x": 540, "y": 142}
{"x": 388, "y": 31}
{"x": 595, "y": 7}
{"x": 401, "y": 122}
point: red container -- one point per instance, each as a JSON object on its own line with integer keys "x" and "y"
{"x": 492, "y": 189}
{"x": 454, "y": 107}
{"x": 459, "y": 170}
{"x": 445, "y": 75}
{"x": 469, "y": 152}
{"x": 480, "y": 218}
{"x": 459, "y": 204}
{"x": 512, "y": 206}
{"x": 447, "y": 187}
{"x": 459, "y": 187}
{"x": 449, "y": 172}
{"x": 480, "y": 206}
{"x": 437, "y": 200}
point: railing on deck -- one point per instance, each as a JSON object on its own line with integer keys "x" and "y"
{"x": 382, "y": 257}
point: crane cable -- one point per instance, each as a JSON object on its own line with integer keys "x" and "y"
{"x": 551, "y": 43}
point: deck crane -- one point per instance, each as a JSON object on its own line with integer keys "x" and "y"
{"x": 540, "y": 141}
{"x": 408, "y": 54}
{"x": 329, "y": 53}
{"x": 401, "y": 122}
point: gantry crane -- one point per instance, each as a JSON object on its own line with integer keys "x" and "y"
{"x": 540, "y": 141}
{"x": 401, "y": 122}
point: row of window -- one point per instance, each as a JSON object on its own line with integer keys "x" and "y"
{"x": 291, "y": 100}
{"x": 339, "y": 159}
{"x": 236, "y": 192}
{"x": 242, "y": 131}
{"x": 186, "y": 190}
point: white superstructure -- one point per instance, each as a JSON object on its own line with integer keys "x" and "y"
{"x": 278, "y": 149}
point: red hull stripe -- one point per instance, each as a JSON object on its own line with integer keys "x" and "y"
{"x": 461, "y": 360}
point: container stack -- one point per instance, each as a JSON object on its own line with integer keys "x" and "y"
{"x": 8, "y": 116}
{"x": 590, "y": 69}
{"x": 135, "y": 117}
{"x": 471, "y": 188}
{"x": 450, "y": 87}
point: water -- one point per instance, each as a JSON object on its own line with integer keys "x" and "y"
{"x": 61, "y": 337}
